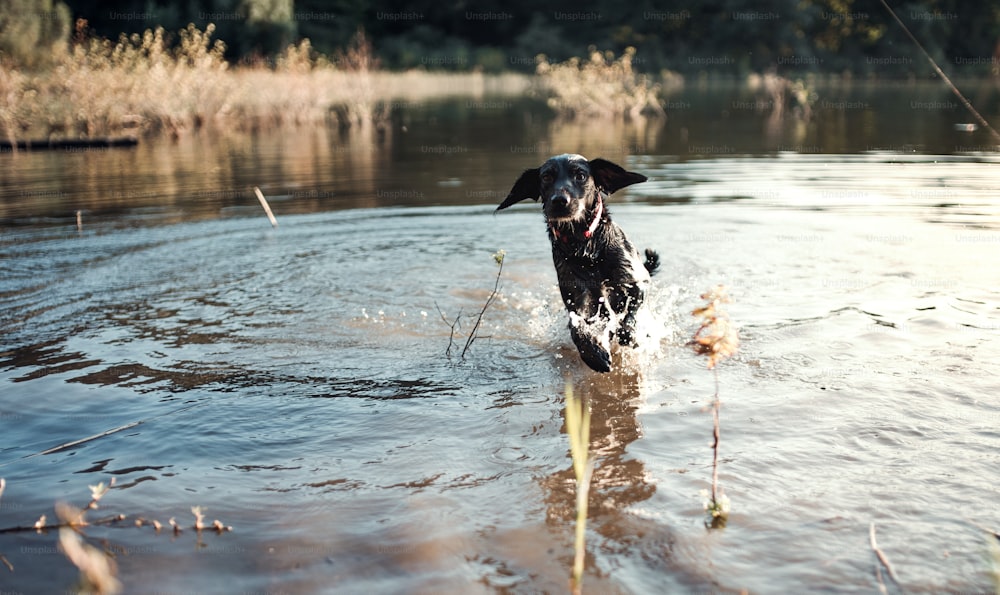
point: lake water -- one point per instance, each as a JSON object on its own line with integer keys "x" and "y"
{"x": 295, "y": 383}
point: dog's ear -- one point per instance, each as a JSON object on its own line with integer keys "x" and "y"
{"x": 529, "y": 185}
{"x": 611, "y": 177}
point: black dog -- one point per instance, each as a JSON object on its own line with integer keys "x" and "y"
{"x": 602, "y": 278}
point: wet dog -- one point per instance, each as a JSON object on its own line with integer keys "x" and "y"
{"x": 602, "y": 278}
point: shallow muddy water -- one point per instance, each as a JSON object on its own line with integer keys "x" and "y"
{"x": 295, "y": 382}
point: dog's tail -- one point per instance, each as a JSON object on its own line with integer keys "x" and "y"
{"x": 652, "y": 261}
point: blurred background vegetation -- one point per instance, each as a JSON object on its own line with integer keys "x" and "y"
{"x": 720, "y": 37}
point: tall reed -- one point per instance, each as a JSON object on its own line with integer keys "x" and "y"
{"x": 578, "y": 429}
{"x": 716, "y": 339}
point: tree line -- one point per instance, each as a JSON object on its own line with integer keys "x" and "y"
{"x": 724, "y": 37}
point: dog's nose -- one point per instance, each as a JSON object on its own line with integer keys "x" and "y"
{"x": 559, "y": 200}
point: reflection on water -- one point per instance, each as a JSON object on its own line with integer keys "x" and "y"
{"x": 460, "y": 152}
{"x": 294, "y": 381}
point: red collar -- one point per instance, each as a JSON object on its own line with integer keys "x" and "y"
{"x": 589, "y": 233}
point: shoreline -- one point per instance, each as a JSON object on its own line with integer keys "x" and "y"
{"x": 60, "y": 108}
{"x": 68, "y": 143}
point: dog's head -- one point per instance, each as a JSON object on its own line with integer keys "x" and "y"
{"x": 569, "y": 184}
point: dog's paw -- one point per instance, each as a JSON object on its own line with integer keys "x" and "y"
{"x": 626, "y": 337}
{"x": 593, "y": 342}
{"x": 626, "y": 333}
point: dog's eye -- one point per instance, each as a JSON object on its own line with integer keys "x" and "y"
{"x": 580, "y": 176}
{"x": 546, "y": 178}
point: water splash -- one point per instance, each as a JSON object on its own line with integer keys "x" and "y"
{"x": 539, "y": 318}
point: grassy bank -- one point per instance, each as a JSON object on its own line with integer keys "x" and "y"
{"x": 145, "y": 83}
{"x": 158, "y": 82}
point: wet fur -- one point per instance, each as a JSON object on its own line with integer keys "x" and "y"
{"x": 602, "y": 278}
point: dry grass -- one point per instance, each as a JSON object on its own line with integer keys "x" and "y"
{"x": 601, "y": 86}
{"x": 783, "y": 96}
{"x": 144, "y": 83}
{"x": 98, "y": 571}
{"x": 158, "y": 82}
{"x": 578, "y": 429}
{"x": 717, "y": 339}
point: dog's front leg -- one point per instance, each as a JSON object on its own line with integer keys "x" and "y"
{"x": 625, "y": 300}
{"x": 588, "y": 323}
{"x": 628, "y": 281}
{"x": 592, "y": 341}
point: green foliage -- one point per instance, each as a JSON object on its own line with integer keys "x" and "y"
{"x": 268, "y": 11}
{"x": 33, "y": 33}
{"x": 269, "y": 27}
{"x": 718, "y": 38}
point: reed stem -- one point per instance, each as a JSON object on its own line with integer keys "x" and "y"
{"x": 717, "y": 339}
{"x": 267, "y": 207}
{"x": 716, "y": 433}
{"x": 578, "y": 428}
{"x": 498, "y": 257}
{"x": 883, "y": 560}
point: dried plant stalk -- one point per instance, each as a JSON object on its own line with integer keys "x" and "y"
{"x": 498, "y": 257}
{"x": 883, "y": 560}
{"x": 578, "y": 428}
{"x": 267, "y": 207}
{"x": 717, "y": 339}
